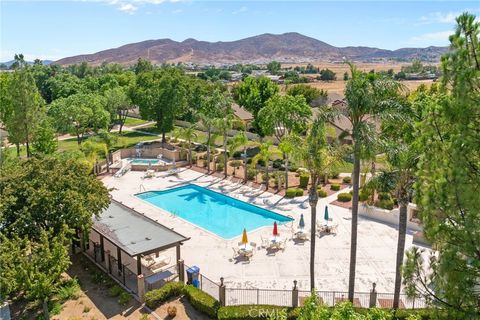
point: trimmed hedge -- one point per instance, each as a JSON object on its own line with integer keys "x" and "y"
{"x": 347, "y": 179}
{"x": 293, "y": 192}
{"x": 299, "y": 192}
{"x": 253, "y": 312}
{"x": 363, "y": 196}
{"x": 321, "y": 193}
{"x": 335, "y": 187}
{"x": 344, "y": 197}
{"x": 385, "y": 204}
{"x": 384, "y": 196}
{"x": 154, "y": 298}
{"x": 304, "y": 180}
{"x": 201, "y": 301}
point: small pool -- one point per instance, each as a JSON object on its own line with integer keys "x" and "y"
{"x": 213, "y": 211}
{"x": 144, "y": 161}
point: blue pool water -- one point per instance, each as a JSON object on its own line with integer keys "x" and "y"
{"x": 143, "y": 161}
{"x": 213, "y": 211}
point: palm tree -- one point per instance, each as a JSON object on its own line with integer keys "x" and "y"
{"x": 239, "y": 140}
{"x": 189, "y": 134}
{"x": 109, "y": 140}
{"x": 369, "y": 97}
{"x": 208, "y": 123}
{"x": 264, "y": 155}
{"x": 223, "y": 126}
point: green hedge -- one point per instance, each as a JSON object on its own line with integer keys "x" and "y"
{"x": 299, "y": 192}
{"x": 385, "y": 204}
{"x": 201, "y": 301}
{"x": 335, "y": 187}
{"x": 154, "y": 298}
{"x": 384, "y": 196}
{"x": 321, "y": 193}
{"x": 363, "y": 195}
{"x": 304, "y": 180}
{"x": 344, "y": 197}
{"x": 253, "y": 312}
{"x": 347, "y": 179}
{"x": 293, "y": 192}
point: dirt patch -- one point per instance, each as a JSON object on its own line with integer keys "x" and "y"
{"x": 184, "y": 310}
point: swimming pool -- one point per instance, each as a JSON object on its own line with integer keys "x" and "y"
{"x": 213, "y": 211}
{"x": 144, "y": 161}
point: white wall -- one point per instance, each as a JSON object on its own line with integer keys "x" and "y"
{"x": 389, "y": 216}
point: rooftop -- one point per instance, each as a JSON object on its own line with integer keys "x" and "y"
{"x": 133, "y": 232}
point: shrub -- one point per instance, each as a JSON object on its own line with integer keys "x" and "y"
{"x": 55, "y": 308}
{"x": 385, "y": 204}
{"x": 384, "y": 196}
{"x": 304, "y": 180}
{"x": 115, "y": 291}
{"x": 363, "y": 195}
{"x": 334, "y": 175}
{"x": 344, "y": 197}
{"x": 291, "y": 193}
{"x": 124, "y": 298}
{"x": 277, "y": 163}
{"x": 69, "y": 289}
{"x": 201, "y": 301}
{"x": 292, "y": 168}
{"x": 252, "y": 312}
{"x": 335, "y": 187}
{"x": 236, "y": 163}
{"x": 220, "y": 159}
{"x": 251, "y": 174}
{"x": 299, "y": 192}
{"x": 220, "y": 166}
{"x": 321, "y": 193}
{"x": 347, "y": 179}
{"x": 155, "y": 298}
{"x": 200, "y": 148}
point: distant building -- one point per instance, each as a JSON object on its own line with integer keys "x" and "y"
{"x": 242, "y": 114}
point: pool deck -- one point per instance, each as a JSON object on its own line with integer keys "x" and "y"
{"x": 376, "y": 253}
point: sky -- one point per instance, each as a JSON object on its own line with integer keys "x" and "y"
{"x": 57, "y": 29}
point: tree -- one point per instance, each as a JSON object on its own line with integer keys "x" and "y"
{"x": 449, "y": 180}
{"x": 18, "y": 62}
{"x": 345, "y": 76}
{"x": 311, "y": 151}
{"x": 142, "y": 65}
{"x": 63, "y": 85}
{"x": 108, "y": 140}
{"x": 274, "y": 67}
{"x": 46, "y": 194}
{"x": 44, "y": 141}
{"x": 264, "y": 156}
{"x": 369, "y": 97}
{"x": 24, "y": 108}
{"x": 308, "y": 92}
{"x": 253, "y": 93}
{"x": 189, "y": 134}
{"x": 223, "y": 126}
{"x": 327, "y": 75}
{"x": 282, "y": 116}
{"x": 79, "y": 114}
{"x": 162, "y": 96}
{"x": 239, "y": 140}
{"x": 118, "y": 105}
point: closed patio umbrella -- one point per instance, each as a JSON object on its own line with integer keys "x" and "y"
{"x": 325, "y": 216}
{"x": 301, "y": 224}
{"x": 275, "y": 229}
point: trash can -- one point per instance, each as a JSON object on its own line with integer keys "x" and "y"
{"x": 192, "y": 276}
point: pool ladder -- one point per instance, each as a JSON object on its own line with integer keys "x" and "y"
{"x": 142, "y": 187}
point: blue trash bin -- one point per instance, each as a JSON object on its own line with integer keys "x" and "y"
{"x": 192, "y": 276}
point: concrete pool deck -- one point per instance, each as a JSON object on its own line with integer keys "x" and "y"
{"x": 376, "y": 252}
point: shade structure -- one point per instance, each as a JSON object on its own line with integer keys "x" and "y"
{"x": 301, "y": 224}
{"x": 275, "y": 229}
{"x": 244, "y": 237}
{"x": 325, "y": 216}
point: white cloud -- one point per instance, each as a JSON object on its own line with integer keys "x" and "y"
{"x": 128, "y": 8}
{"x": 439, "y": 17}
{"x": 433, "y": 38}
{"x": 177, "y": 11}
{"x": 242, "y": 9}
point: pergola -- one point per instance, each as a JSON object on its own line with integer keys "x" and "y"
{"x": 134, "y": 234}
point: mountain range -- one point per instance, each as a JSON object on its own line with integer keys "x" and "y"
{"x": 288, "y": 47}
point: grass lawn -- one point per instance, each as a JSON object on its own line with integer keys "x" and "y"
{"x": 131, "y": 122}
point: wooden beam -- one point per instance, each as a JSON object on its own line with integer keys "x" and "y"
{"x": 102, "y": 249}
{"x": 139, "y": 265}
{"x": 178, "y": 252}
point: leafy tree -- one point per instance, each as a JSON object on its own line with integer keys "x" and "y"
{"x": 369, "y": 97}
{"x": 19, "y": 62}
{"x": 24, "y": 107}
{"x": 308, "y": 92}
{"x": 63, "y": 85}
{"x": 118, "y": 105}
{"x": 327, "y": 75}
{"x": 162, "y": 96}
{"x": 283, "y": 115}
{"x": 142, "y": 65}
{"x": 274, "y": 67}
{"x": 79, "y": 114}
{"x": 449, "y": 180}
{"x": 345, "y": 76}
{"x": 253, "y": 93}
{"x": 44, "y": 142}
{"x": 48, "y": 194}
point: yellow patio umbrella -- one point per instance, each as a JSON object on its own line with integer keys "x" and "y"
{"x": 244, "y": 236}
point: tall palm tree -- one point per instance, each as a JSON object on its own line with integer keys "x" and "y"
{"x": 109, "y": 140}
{"x": 223, "y": 126}
{"x": 264, "y": 155}
{"x": 239, "y": 140}
{"x": 369, "y": 97}
{"x": 189, "y": 134}
{"x": 208, "y": 124}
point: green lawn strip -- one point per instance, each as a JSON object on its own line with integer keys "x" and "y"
{"x": 131, "y": 122}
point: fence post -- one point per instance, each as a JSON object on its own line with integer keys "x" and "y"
{"x": 108, "y": 262}
{"x": 221, "y": 292}
{"x": 181, "y": 270}
{"x": 295, "y": 294}
{"x": 373, "y": 296}
{"x": 141, "y": 287}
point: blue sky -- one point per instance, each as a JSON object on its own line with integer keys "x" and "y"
{"x": 55, "y": 29}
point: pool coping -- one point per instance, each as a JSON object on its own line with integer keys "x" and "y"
{"x": 201, "y": 228}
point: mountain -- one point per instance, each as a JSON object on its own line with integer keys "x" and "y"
{"x": 287, "y": 47}
{"x": 9, "y": 63}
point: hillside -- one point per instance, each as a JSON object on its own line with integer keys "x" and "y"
{"x": 287, "y": 47}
